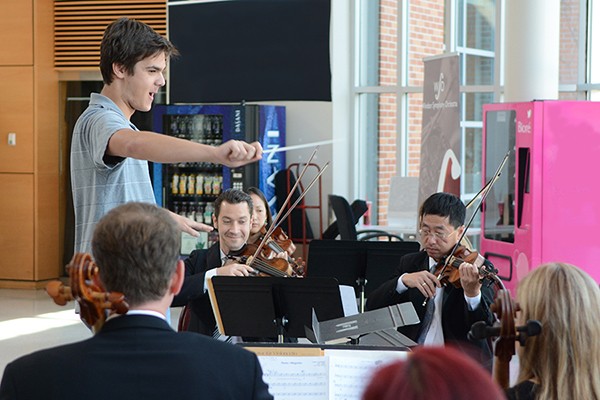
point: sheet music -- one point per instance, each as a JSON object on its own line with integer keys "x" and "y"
{"x": 351, "y": 371}
{"x": 338, "y": 375}
{"x": 296, "y": 378}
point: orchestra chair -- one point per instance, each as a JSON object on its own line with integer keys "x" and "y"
{"x": 346, "y": 218}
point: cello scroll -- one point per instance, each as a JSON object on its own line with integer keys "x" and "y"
{"x": 507, "y": 332}
{"x": 94, "y": 301}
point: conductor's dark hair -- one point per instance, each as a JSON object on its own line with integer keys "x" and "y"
{"x": 126, "y": 42}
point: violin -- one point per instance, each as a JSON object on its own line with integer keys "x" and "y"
{"x": 95, "y": 302}
{"x": 447, "y": 269}
{"x": 278, "y": 242}
{"x": 277, "y": 267}
{"x": 505, "y": 329}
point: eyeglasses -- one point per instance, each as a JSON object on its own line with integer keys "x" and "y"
{"x": 438, "y": 235}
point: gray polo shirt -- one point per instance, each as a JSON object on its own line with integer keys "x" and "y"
{"x": 100, "y": 182}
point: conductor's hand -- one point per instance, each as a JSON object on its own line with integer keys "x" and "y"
{"x": 469, "y": 279}
{"x": 235, "y": 153}
{"x": 424, "y": 281}
{"x": 189, "y": 225}
{"x": 231, "y": 268}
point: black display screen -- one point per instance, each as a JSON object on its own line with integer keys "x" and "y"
{"x": 250, "y": 50}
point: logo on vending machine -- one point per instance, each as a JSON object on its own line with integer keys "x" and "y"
{"x": 237, "y": 121}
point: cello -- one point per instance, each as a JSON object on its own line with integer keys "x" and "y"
{"x": 507, "y": 333}
{"x": 95, "y": 303}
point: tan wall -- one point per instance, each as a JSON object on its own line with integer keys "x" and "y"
{"x": 29, "y": 236}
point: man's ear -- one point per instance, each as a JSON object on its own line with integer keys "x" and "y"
{"x": 178, "y": 278}
{"x": 214, "y": 220}
{"x": 119, "y": 70}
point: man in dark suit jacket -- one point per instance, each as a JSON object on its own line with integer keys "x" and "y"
{"x": 453, "y": 310}
{"x": 138, "y": 355}
{"x": 232, "y": 219}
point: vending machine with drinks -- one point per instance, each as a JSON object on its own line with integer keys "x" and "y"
{"x": 190, "y": 189}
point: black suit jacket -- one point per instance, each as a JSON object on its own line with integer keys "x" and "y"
{"x": 457, "y": 319}
{"x": 137, "y": 357}
{"x": 192, "y": 293}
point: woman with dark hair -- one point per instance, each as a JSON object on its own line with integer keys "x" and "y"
{"x": 262, "y": 220}
{"x": 433, "y": 373}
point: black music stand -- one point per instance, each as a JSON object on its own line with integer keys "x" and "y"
{"x": 364, "y": 265}
{"x": 272, "y": 307}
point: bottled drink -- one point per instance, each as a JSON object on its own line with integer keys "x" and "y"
{"x": 175, "y": 184}
{"x": 208, "y": 185}
{"x": 216, "y": 185}
{"x": 199, "y": 184}
{"x": 191, "y": 185}
{"x": 183, "y": 184}
{"x": 208, "y": 211}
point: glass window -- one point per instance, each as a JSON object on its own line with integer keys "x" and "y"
{"x": 476, "y": 24}
{"x": 377, "y": 150}
{"x": 377, "y": 43}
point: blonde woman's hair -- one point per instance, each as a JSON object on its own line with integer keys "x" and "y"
{"x": 565, "y": 358}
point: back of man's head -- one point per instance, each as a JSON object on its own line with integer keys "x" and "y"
{"x": 136, "y": 247}
{"x": 445, "y": 205}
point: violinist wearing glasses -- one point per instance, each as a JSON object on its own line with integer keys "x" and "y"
{"x": 448, "y": 311}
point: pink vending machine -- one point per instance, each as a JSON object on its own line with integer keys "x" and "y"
{"x": 546, "y": 204}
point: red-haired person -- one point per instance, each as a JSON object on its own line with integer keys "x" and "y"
{"x": 433, "y": 373}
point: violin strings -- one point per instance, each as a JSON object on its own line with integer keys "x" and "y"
{"x": 267, "y": 268}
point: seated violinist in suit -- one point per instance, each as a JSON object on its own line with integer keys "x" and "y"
{"x": 563, "y": 361}
{"x": 446, "y": 312}
{"x": 138, "y": 355}
{"x": 232, "y": 219}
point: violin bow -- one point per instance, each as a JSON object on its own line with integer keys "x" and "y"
{"x": 290, "y": 209}
{"x": 482, "y": 194}
{"x": 285, "y": 203}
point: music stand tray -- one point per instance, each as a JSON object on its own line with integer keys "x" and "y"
{"x": 272, "y": 307}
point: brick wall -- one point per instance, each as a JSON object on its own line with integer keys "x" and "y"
{"x": 425, "y": 38}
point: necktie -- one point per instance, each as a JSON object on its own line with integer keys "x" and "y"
{"x": 429, "y": 312}
{"x": 216, "y": 334}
